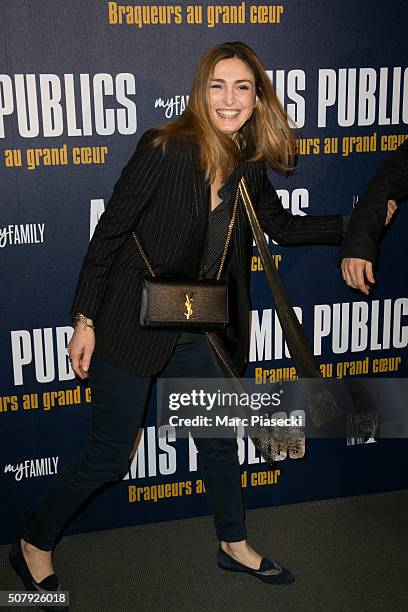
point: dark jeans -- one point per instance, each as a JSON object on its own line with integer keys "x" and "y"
{"x": 118, "y": 403}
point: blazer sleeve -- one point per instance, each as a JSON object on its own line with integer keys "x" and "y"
{"x": 288, "y": 229}
{"x": 368, "y": 218}
{"x": 132, "y": 192}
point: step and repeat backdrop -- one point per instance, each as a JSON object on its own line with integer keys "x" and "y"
{"x": 80, "y": 81}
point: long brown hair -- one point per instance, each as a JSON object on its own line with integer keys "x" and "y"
{"x": 265, "y": 136}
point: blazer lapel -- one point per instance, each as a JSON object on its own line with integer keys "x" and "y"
{"x": 202, "y": 202}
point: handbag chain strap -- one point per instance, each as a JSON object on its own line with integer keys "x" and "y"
{"x": 224, "y": 253}
{"x": 143, "y": 254}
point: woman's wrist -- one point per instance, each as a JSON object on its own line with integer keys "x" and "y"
{"x": 83, "y": 320}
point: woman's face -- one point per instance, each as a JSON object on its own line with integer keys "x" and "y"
{"x": 232, "y": 95}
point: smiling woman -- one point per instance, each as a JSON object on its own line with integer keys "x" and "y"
{"x": 233, "y": 126}
{"x": 233, "y": 112}
{"x": 232, "y": 96}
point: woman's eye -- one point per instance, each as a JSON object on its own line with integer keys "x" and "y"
{"x": 243, "y": 87}
{"x": 215, "y": 85}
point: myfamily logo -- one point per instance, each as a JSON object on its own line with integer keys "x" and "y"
{"x": 32, "y": 468}
{"x": 30, "y": 233}
{"x": 172, "y": 106}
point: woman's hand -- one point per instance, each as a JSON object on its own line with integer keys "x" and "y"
{"x": 80, "y": 349}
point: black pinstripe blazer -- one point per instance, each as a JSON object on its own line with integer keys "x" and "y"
{"x": 165, "y": 200}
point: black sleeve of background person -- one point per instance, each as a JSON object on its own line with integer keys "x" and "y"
{"x": 368, "y": 218}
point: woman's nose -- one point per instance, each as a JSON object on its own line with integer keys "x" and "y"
{"x": 229, "y": 96}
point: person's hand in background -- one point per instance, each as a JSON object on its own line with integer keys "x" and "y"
{"x": 357, "y": 273}
{"x": 392, "y": 207}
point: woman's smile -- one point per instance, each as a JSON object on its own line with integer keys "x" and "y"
{"x": 228, "y": 113}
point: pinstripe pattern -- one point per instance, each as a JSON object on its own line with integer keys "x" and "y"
{"x": 164, "y": 199}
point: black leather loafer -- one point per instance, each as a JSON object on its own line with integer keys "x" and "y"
{"x": 269, "y": 571}
{"x": 50, "y": 584}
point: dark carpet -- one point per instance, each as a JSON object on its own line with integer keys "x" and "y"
{"x": 348, "y": 554}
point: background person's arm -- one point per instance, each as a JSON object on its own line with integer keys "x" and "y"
{"x": 373, "y": 210}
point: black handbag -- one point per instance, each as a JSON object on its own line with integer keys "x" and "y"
{"x": 186, "y": 304}
{"x": 183, "y": 304}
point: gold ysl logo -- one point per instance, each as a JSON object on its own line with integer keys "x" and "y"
{"x": 189, "y": 306}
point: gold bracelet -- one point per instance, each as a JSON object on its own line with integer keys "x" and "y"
{"x": 81, "y": 318}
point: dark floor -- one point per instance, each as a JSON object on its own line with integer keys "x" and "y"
{"x": 348, "y": 554}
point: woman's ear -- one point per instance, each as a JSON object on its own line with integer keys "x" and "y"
{"x": 256, "y": 101}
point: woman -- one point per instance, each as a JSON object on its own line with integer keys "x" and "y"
{"x": 179, "y": 183}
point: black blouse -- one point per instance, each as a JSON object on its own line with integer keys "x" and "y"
{"x": 217, "y": 233}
